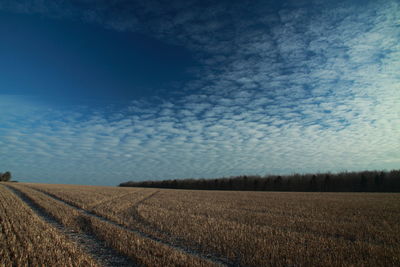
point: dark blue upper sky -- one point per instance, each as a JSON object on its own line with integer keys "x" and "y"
{"x": 100, "y": 92}
{"x": 70, "y": 61}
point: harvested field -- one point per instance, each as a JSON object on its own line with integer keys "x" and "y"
{"x": 157, "y": 227}
{"x": 26, "y": 240}
{"x": 283, "y": 228}
{"x": 140, "y": 249}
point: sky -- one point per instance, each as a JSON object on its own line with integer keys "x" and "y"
{"x": 102, "y": 92}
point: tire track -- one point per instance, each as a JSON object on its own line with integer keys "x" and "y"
{"x": 93, "y": 206}
{"x": 215, "y": 259}
{"x": 152, "y": 230}
{"x": 140, "y": 219}
{"x": 103, "y": 254}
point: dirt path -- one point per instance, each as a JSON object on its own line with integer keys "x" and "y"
{"x": 104, "y": 255}
{"x": 209, "y": 257}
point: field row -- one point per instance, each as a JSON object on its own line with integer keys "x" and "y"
{"x": 25, "y": 240}
{"x": 141, "y": 250}
{"x": 254, "y": 228}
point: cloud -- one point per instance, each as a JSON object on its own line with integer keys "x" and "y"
{"x": 294, "y": 89}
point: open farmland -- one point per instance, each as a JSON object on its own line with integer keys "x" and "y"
{"x": 162, "y": 227}
{"x": 25, "y": 239}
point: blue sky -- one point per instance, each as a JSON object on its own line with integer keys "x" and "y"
{"x": 101, "y": 92}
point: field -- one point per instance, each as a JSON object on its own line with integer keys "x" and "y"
{"x": 166, "y": 227}
{"x": 27, "y": 240}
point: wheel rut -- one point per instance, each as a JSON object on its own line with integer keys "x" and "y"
{"x": 96, "y": 248}
{"x": 215, "y": 259}
{"x": 139, "y": 219}
{"x": 93, "y": 206}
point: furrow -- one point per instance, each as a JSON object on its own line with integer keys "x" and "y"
{"x": 104, "y": 255}
{"x": 208, "y": 257}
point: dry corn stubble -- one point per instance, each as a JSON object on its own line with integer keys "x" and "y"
{"x": 142, "y": 250}
{"x": 26, "y": 240}
{"x": 93, "y": 195}
{"x": 264, "y": 228}
{"x": 108, "y": 202}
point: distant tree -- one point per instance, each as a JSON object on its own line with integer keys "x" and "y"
{"x": 371, "y": 181}
{"x": 327, "y": 183}
{"x": 379, "y": 179}
{"x": 363, "y": 182}
{"x": 216, "y": 184}
{"x": 313, "y": 186}
{"x": 230, "y": 183}
{"x": 278, "y": 183}
{"x": 245, "y": 183}
{"x": 5, "y": 176}
{"x": 255, "y": 184}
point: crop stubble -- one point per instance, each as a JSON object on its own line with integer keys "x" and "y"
{"x": 143, "y": 251}
{"x": 257, "y": 228}
{"x": 26, "y": 240}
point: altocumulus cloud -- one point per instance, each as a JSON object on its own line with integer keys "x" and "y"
{"x": 299, "y": 87}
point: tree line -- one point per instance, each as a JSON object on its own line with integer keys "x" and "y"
{"x": 5, "y": 177}
{"x": 364, "y": 181}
